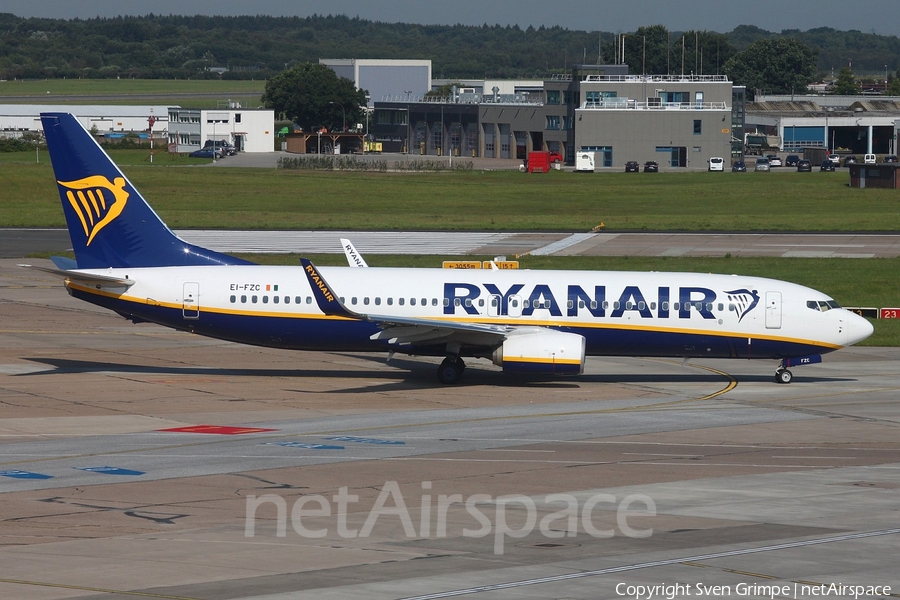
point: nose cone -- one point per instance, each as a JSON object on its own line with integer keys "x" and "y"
{"x": 858, "y": 328}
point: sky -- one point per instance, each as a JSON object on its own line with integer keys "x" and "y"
{"x": 870, "y": 16}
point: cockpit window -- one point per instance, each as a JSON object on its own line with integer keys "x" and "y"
{"x": 822, "y": 305}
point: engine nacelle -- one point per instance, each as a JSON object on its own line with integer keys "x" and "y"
{"x": 541, "y": 352}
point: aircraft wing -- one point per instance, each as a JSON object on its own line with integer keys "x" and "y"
{"x": 405, "y": 330}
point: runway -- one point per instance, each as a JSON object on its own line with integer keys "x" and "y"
{"x": 21, "y": 242}
{"x": 141, "y": 462}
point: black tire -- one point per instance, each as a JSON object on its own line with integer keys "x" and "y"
{"x": 450, "y": 370}
{"x": 783, "y": 376}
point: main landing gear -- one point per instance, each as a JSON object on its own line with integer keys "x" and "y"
{"x": 451, "y": 370}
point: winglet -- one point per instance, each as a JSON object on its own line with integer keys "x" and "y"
{"x": 326, "y": 298}
{"x": 353, "y": 256}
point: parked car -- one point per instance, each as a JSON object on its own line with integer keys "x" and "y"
{"x": 850, "y": 160}
{"x": 774, "y": 161}
{"x": 651, "y": 166}
{"x": 632, "y": 166}
{"x": 869, "y": 159}
{"x": 716, "y": 163}
{"x": 889, "y": 159}
{"x": 222, "y": 146}
{"x": 804, "y": 165}
{"x": 556, "y": 157}
{"x": 738, "y": 166}
{"x": 835, "y": 159}
{"x": 762, "y": 164}
{"x": 205, "y": 153}
{"x": 791, "y": 160}
{"x": 827, "y": 165}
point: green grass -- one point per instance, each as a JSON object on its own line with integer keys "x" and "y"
{"x": 476, "y": 200}
{"x": 193, "y": 93}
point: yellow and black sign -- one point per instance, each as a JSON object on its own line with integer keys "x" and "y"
{"x": 502, "y": 264}
{"x": 462, "y": 264}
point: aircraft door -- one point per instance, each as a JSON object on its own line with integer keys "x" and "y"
{"x": 773, "y": 310}
{"x": 190, "y": 302}
{"x": 494, "y": 305}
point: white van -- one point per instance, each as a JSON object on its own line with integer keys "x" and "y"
{"x": 869, "y": 159}
{"x": 584, "y": 162}
{"x": 716, "y": 163}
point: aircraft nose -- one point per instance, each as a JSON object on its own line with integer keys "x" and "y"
{"x": 858, "y": 328}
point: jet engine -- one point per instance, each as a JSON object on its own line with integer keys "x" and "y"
{"x": 541, "y": 352}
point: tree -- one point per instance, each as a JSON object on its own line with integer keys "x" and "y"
{"x": 777, "y": 65}
{"x": 893, "y": 86}
{"x": 845, "y": 84}
{"x": 312, "y": 95}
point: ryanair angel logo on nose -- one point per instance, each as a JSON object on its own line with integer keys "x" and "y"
{"x": 744, "y": 300}
{"x": 97, "y": 201}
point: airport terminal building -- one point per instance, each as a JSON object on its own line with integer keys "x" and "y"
{"x": 678, "y": 121}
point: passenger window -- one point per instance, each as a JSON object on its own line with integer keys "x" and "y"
{"x": 233, "y": 298}
{"x": 605, "y": 305}
{"x": 353, "y": 300}
{"x": 665, "y": 306}
{"x": 377, "y": 300}
{"x": 468, "y": 302}
{"x": 616, "y": 305}
{"x": 676, "y": 306}
{"x": 653, "y": 306}
{"x": 253, "y": 299}
{"x": 709, "y": 306}
{"x": 275, "y": 299}
{"x": 456, "y": 302}
{"x": 309, "y": 299}
{"x": 641, "y": 306}
{"x": 287, "y": 299}
{"x": 446, "y": 301}
{"x": 425, "y": 301}
{"x": 721, "y": 306}
{"x": 243, "y": 299}
{"x": 629, "y": 305}
{"x": 594, "y": 304}
{"x": 297, "y": 299}
{"x": 514, "y": 302}
{"x": 390, "y": 301}
{"x": 366, "y": 300}
{"x": 401, "y": 301}
{"x": 412, "y": 301}
{"x": 265, "y": 299}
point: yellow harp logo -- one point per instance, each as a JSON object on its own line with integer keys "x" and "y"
{"x": 96, "y": 201}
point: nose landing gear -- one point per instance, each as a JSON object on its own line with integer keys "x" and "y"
{"x": 782, "y": 375}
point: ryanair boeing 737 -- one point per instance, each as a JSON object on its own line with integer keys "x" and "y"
{"x": 527, "y": 322}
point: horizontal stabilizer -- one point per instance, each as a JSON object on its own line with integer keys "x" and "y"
{"x": 82, "y": 277}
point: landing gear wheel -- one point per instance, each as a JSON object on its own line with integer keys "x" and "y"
{"x": 783, "y": 376}
{"x": 451, "y": 370}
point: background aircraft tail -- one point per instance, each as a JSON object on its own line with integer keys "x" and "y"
{"x": 110, "y": 224}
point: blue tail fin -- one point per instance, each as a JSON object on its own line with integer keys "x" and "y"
{"x": 110, "y": 223}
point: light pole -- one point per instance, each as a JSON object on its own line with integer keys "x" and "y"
{"x": 343, "y": 116}
{"x": 408, "y": 119}
{"x": 366, "y": 142}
